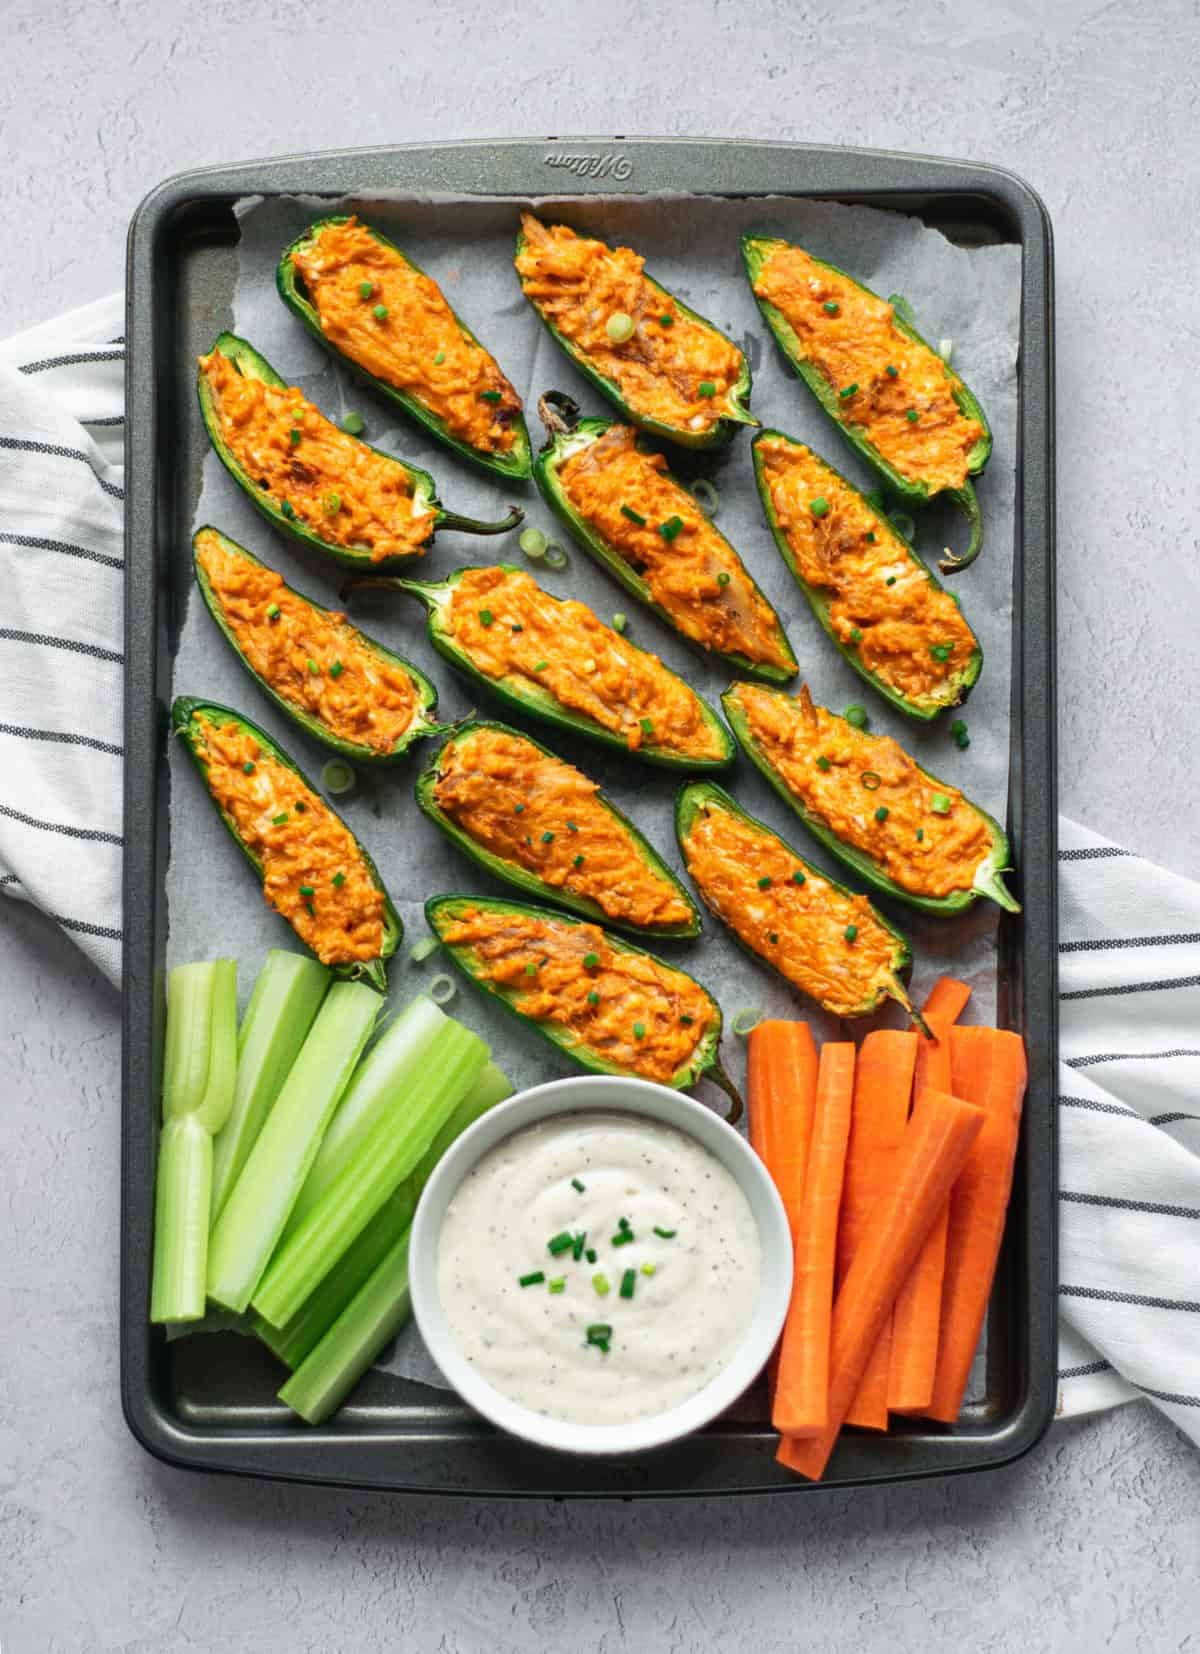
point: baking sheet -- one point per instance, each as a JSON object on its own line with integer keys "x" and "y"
{"x": 691, "y": 244}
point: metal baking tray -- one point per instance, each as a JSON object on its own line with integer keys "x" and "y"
{"x": 208, "y": 1403}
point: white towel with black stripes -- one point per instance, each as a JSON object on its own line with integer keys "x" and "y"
{"x": 1129, "y": 1109}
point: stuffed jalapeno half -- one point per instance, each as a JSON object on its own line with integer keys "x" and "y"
{"x": 610, "y": 1006}
{"x": 366, "y": 300}
{"x": 314, "y": 872}
{"x": 822, "y": 938}
{"x": 663, "y": 366}
{"x": 897, "y": 402}
{"x": 631, "y": 515}
{"x": 310, "y": 478}
{"x": 545, "y": 827}
{"x": 889, "y": 616}
{"x": 339, "y": 685}
{"x": 906, "y": 833}
{"x": 552, "y": 658}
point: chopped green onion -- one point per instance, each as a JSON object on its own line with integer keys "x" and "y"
{"x": 945, "y": 349}
{"x": 649, "y": 1268}
{"x": 620, "y": 327}
{"x": 278, "y": 821}
{"x": 920, "y": 834}
{"x": 940, "y": 804}
{"x": 870, "y": 780}
{"x": 634, "y": 516}
{"x": 486, "y": 617}
{"x": 819, "y": 507}
{"x": 706, "y": 496}
{"x": 911, "y": 415}
{"x": 686, "y": 1020}
{"x": 958, "y": 727}
{"x": 273, "y": 611}
{"x": 339, "y": 880}
{"x": 600, "y": 1286}
{"x": 518, "y": 627}
{"x": 533, "y": 543}
{"x": 590, "y": 961}
{"x": 336, "y": 670}
{"x": 639, "y": 1030}
{"x": 579, "y": 1242}
{"x": 855, "y": 635}
{"x": 534, "y": 1278}
{"x": 590, "y": 1254}
{"x": 746, "y": 1019}
{"x": 294, "y": 436}
{"x": 314, "y": 669}
{"x": 353, "y": 423}
{"x": 628, "y": 1282}
{"x": 489, "y": 396}
{"x": 300, "y": 806}
{"x": 962, "y": 740}
{"x": 547, "y": 837}
{"x": 442, "y": 989}
{"x": 848, "y": 391}
{"x": 852, "y": 933}
{"x": 823, "y": 763}
{"x": 870, "y": 536}
{"x": 599, "y": 1329}
{"x": 439, "y": 358}
{"x": 706, "y": 388}
{"x": 556, "y": 555}
{"x": 337, "y": 777}
{"x": 331, "y": 504}
{"x": 541, "y": 665}
{"x": 666, "y": 319}
{"x": 577, "y": 1185}
{"x": 531, "y": 969}
{"x": 831, "y": 307}
{"x": 670, "y": 528}
{"x": 248, "y": 768}
{"x": 593, "y": 997}
{"x": 891, "y": 371}
{"x": 518, "y": 809}
{"x": 578, "y": 862}
{"x": 571, "y": 827}
{"x": 307, "y": 890}
{"x": 773, "y": 938}
{"x": 558, "y": 1284}
{"x": 882, "y": 813}
{"x": 622, "y": 1237}
{"x": 380, "y": 312}
{"x": 562, "y": 1242}
{"x": 619, "y": 622}
{"x": 288, "y": 510}
{"x": 722, "y": 578}
{"x": 798, "y": 877}
{"x": 646, "y": 725}
{"x": 365, "y": 289}
{"x": 665, "y": 1234}
{"x": 422, "y": 949}
{"x": 891, "y": 580}
{"x": 764, "y": 883}
{"x": 857, "y": 715}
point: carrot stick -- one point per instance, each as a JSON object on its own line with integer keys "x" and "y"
{"x": 935, "y": 1145}
{"x": 988, "y": 1069}
{"x": 947, "y": 1000}
{"x": 883, "y": 1077}
{"x": 781, "y": 1084}
{"x": 918, "y": 1309}
{"x": 802, "y": 1378}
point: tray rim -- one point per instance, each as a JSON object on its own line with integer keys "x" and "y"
{"x": 523, "y": 167}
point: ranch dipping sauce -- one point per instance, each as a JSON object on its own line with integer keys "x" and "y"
{"x": 657, "y": 1300}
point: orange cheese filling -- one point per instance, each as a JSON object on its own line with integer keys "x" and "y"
{"x": 853, "y": 348}
{"x": 418, "y": 346}
{"x": 310, "y": 656}
{"x": 695, "y": 575}
{"x": 635, "y": 1012}
{"x": 313, "y": 871}
{"x": 339, "y": 489}
{"x": 882, "y": 601}
{"x": 514, "y": 631}
{"x": 529, "y": 808}
{"x": 871, "y": 793}
{"x": 672, "y": 368}
{"x": 800, "y": 928}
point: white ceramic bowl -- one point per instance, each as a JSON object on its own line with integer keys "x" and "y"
{"x": 625, "y": 1096}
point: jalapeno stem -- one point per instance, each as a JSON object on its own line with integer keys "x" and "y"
{"x": 965, "y": 499}
{"x": 472, "y": 525}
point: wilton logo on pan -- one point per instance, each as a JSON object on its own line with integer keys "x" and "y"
{"x": 606, "y": 164}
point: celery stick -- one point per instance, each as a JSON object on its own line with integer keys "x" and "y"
{"x": 392, "y": 1149}
{"x": 286, "y": 998}
{"x": 291, "y": 1343}
{"x": 258, "y": 1204}
{"x": 394, "y": 1063}
{"x": 353, "y": 1343}
{"x": 199, "y": 1075}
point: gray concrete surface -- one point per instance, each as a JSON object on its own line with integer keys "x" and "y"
{"x": 1092, "y": 1542}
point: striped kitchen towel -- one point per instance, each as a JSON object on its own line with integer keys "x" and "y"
{"x": 1129, "y": 1109}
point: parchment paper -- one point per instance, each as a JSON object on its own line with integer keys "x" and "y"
{"x": 971, "y": 296}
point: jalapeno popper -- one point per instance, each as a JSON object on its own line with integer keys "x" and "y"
{"x": 335, "y": 682}
{"x": 665, "y": 367}
{"x": 609, "y": 1005}
{"x": 625, "y": 508}
{"x": 895, "y": 399}
{"x": 822, "y": 938}
{"x": 891, "y": 619}
{"x": 314, "y": 872}
{"x": 365, "y": 299}
{"x": 908, "y": 834}
{"x": 316, "y": 482}
{"x": 545, "y": 827}
{"x": 551, "y": 657}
